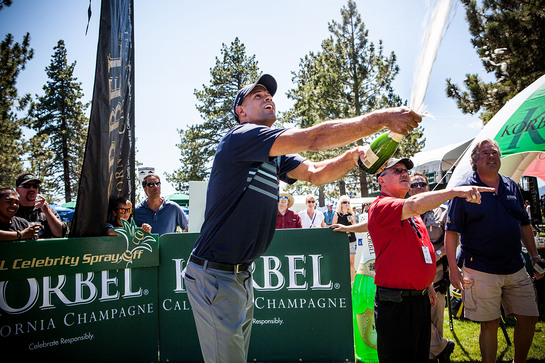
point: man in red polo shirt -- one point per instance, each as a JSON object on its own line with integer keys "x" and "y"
{"x": 404, "y": 263}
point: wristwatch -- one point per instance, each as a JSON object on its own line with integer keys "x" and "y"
{"x": 439, "y": 253}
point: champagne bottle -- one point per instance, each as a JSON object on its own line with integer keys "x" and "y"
{"x": 379, "y": 152}
{"x": 363, "y": 303}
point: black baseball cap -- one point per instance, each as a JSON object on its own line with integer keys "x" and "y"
{"x": 266, "y": 80}
{"x": 26, "y": 178}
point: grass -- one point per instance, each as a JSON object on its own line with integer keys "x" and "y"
{"x": 466, "y": 336}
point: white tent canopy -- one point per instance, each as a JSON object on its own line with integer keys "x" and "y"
{"x": 435, "y": 163}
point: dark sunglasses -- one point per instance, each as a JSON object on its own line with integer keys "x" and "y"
{"x": 152, "y": 184}
{"x": 28, "y": 186}
{"x": 311, "y": 201}
{"x": 419, "y": 185}
{"x": 399, "y": 171}
{"x": 345, "y": 202}
{"x": 124, "y": 210}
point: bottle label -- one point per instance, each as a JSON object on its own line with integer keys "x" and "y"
{"x": 366, "y": 327}
{"x": 370, "y": 157}
{"x": 396, "y": 137}
{"x": 367, "y": 268}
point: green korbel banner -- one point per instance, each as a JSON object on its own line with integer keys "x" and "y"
{"x": 80, "y": 300}
{"x": 123, "y": 299}
{"x": 525, "y": 129}
{"x": 302, "y": 295}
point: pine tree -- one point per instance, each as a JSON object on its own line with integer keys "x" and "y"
{"x": 198, "y": 143}
{"x": 349, "y": 76}
{"x": 13, "y": 57}
{"x": 509, "y": 37}
{"x": 60, "y": 123}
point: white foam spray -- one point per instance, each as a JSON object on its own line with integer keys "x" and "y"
{"x": 430, "y": 44}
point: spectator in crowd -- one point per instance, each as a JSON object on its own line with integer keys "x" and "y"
{"x": 345, "y": 216}
{"x": 310, "y": 217}
{"x": 14, "y": 228}
{"x": 404, "y": 266}
{"x": 34, "y": 208}
{"x": 435, "y": 220}
{"x": 161, "y": 214}
{"x": 493, "y": 269}
{"x": 120, "y": 208}
{"x": 286, "y": 218}
{"x": 328, "y": 214}
{"x": 364, "y": 213}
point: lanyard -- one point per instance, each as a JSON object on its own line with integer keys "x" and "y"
{"x": 413, "y": 224}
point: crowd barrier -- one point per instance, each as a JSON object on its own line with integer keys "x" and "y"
{"x": 122, "y": 299}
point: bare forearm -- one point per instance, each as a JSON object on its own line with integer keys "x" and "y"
{"x": 9, "y": 235}
{"x": 331, "y": 134}
{"x": 55, "y": 224}
{"x": 423, "y": 202}
{"x": 528, "y": 240}
{"x": 326, "y": 171}
{"x": 360, "y": 227}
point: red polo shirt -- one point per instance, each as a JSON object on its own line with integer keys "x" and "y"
{"x": 288, "y": 220}
{"x": 399, "y": 262}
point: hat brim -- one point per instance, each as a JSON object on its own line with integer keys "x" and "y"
{"x": 291, "y": 201}
{"x": 30, "y": 181}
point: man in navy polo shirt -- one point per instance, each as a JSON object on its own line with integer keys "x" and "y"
{"x": 163, "y": 215}
{"x": 493, "y": 268}
{"x": 241, "y": 205}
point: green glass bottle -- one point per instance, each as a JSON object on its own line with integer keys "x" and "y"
{"x": 363, "y": 303}
{"x": 380, "y": 151}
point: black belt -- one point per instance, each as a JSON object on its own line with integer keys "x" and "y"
{"x": 414, "y": 292}
{"x": 395, "y": 295}
{"x": 241, "y": 267}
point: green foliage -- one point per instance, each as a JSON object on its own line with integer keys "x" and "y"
{"x": 58, "y": 117}
{"x": 348, "y": 77}
{"x": 198, "y": 143}
{"x": 508, "y": 36}
{"x": 13, "y": 57}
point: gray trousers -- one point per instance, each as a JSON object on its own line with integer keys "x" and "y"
{"x": 223, "y": 308}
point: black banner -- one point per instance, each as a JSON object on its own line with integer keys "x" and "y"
{"x": 108, "y": 166}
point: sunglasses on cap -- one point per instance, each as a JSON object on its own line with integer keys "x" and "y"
{"x": 419, "y": 185}
{"x": 124, "y": 210}
{"x": 152, "y": 184}
{"x": 30, "y": 185}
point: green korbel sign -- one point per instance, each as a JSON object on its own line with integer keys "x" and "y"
{"x": 525, "y": 129}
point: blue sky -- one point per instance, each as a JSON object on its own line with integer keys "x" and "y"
{"x": 176, "y": 43}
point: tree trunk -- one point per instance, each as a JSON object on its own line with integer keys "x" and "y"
{"x": 363, "y": 184}
{"x": 321, "y": 195}
{"x": 342, "y": 187}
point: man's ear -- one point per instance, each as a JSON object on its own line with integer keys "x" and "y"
{"x": 240, "y": 111}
